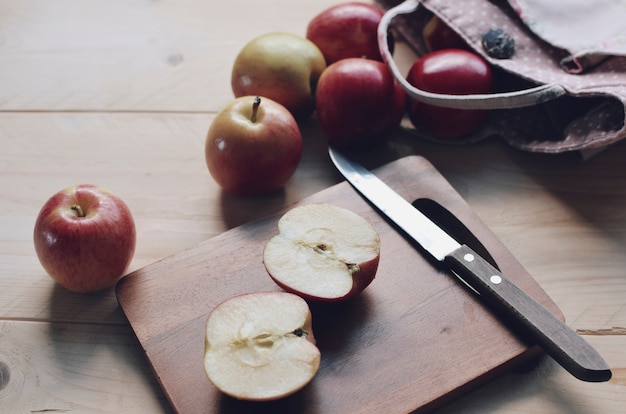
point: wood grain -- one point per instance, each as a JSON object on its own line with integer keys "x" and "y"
{"x": 98, "y": 364}
{"x": 121, "y": 93}
{"x": 505, "y": 298}
{"x": 422, "y": 332}
{"x": 117, "y": 55}
{"x": 155, "y": 162}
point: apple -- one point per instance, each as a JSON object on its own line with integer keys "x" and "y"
{"x": 453, "y": 72}
{"x": 323, "y": 252}
{"x": 346, "y": 30}
{"x": 260, "y": 346}
{"x": 358, "y": 102}
{"x": 85, "y": 238}
{"x": 437, "y": 35}
{"x": 282, "y": 66}
{"x": 253, "y": 146}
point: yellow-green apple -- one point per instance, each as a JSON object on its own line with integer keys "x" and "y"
{"x": 323, "y": 252}
{"x": 346, "y": 30}
{"x": 454, "y": 72}
{"x": 358, "y": 102}
{"x": 282, "y": 66}
{"x": 437, "y": 35}
{"x": 260, "y": 346}
{"x": 85, "y": 238}
{"x": 253, "y": 146}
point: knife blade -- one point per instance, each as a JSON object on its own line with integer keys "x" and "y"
{"x": 556, "y": 338}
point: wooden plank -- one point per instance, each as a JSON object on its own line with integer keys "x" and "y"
{"x": 99, "y": 369}
{"x": 132, "y": 56}
{"x": 167, "y": 65}
{"x": 155, "y": 162}
{"x": 548, "y": 388}
{"x": 419, "y": 329}
{"x": 556, "y": 215}
{"x": 74, "y": 368}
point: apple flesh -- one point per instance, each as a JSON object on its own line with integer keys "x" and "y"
{"x": 253, "y": 146}
{"x": 260, "y": 346}
{"x": 359, "y": 103}
{"x": 281, "y": 66}
{"x": 85, "y": 237}
{"x": 323, "y": 252}
{"x": 346, "y": 30}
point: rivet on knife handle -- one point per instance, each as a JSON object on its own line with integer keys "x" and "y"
{"x": 557, "y": 339}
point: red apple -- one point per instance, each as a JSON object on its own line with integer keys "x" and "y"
{"x": 346, "y": 30}
{"x": 438, "y": 35}
{"x": 358, "y": 102}
{"x": 253, "y": 146}
{"x": 281, "y": 66}
{"x": 323, "y": 252}
{"x": 260, "y": 346}
{"x": 85, "y": 238}
{"x": 453, "y": 72}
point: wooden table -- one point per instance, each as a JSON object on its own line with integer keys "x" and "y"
{"x": 121, "y": 94}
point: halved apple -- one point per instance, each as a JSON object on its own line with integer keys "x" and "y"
{"x": 260, "y": 346}
{"x": 323, "y": 252}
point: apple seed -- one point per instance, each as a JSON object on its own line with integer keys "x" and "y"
{"x": 322, "y": 252}
{"x": 260, "y": 346}
{"x": 353, "y": 268}
{"x": 322, "y": 248}
{"x": 300, "y": 332}
{"x": 263, "y": 340}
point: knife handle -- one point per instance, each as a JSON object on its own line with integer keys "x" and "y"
{"x": 557, "y": 339}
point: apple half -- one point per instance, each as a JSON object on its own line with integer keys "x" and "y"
{"x": 323, "y": 252}
{"x": 260, "y": 346}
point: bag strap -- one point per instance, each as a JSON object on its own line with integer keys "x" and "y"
{"x": 503, "y": 100}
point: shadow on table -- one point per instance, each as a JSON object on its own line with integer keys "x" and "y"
{"x": 93, "y": 345}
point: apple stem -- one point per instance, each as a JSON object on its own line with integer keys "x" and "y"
{"x": 255, "y": 108}
{"x": 78, "y": 210}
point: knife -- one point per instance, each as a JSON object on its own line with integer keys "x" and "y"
{"x": 557, "y": 339}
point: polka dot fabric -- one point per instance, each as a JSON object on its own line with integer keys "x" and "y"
{"x": 592, "y": 114}
{"x": 559, "y": 22}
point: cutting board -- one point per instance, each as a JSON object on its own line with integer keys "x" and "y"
{"x": 416, "y": 338}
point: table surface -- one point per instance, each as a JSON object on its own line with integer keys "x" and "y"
{"x": 121, "y": 94}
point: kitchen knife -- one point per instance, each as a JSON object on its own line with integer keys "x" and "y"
{"x": 557, "y": 339}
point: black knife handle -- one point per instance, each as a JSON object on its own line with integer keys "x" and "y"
{"x": 557, "y": 339}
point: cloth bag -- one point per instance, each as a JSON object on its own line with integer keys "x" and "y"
{"x": 568, "y": 87}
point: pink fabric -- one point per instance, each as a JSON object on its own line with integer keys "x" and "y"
{"x": 593, "y": 114}
{"x": 590, "y": 31}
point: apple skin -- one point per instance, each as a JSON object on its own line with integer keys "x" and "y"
{"x": 85, "y": 253}
{"x": 358, "y": 103}
{"x": 454, "y": 72}
{"x": 346, "y": 30}
{"x": 251, "y": 158}
{"x": 323, "y": 253}
{"x": 281, "y": 66}
{"x": 366, "y": 276}
{"x": 437, "y": 35}
{"x": 260, "y": 346}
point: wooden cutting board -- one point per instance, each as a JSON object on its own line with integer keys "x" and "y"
{"x": 413, "y": 340}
